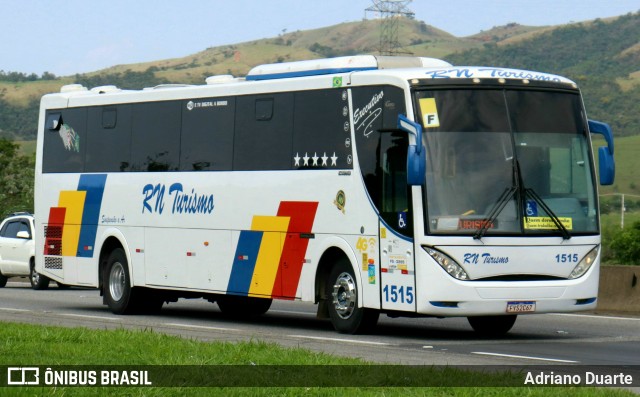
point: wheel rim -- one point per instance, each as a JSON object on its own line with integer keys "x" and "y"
{"x": 344, "y": 295}
{"x": 35, "y": 277}
{"x": 117, "y": 281}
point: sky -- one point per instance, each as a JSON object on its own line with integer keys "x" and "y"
{"x": 65, "y": 37}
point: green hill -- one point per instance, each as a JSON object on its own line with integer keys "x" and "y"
{"x": 602, "y": 56}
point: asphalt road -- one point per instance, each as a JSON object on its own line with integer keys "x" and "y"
{"x": 585, "y": 339}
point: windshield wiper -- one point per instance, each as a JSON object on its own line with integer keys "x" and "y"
{"x": 516, "y": 184}
{"x": 523, "y": 193}
{"x": 531, "y": 193}
{"x": 495, "y": 211}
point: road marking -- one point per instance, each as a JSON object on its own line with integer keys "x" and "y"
{"x": 555, "y": 360}
{"x": 363, "y": 342}
{"x": 88, "y": 316}
{"x": 200, "y": 327}
{"x": 10, "y": 309}
{"x": 594, "y": 316}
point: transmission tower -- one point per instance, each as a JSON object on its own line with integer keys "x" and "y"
{"x": 390, "y": 13}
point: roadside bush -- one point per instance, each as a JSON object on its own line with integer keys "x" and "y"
{"x": 624, "y": 246}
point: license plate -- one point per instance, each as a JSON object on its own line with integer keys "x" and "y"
{"x": 521, "y": 307}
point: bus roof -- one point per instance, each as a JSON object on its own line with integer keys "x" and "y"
{"x": 359, "y": 67}
{"x": 435, "y": 68}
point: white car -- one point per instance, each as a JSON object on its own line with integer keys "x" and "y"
{"x": 17, "y": 250}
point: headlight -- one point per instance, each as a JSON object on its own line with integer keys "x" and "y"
{"x": 585, "y": 263}
{"x": 448, "y": 264}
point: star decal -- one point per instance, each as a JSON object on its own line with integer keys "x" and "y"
{"x": 306, "y": 160}
{"x": 334, "y": 159}
{"x": 315, "y": 159}
{"x": 297, "y": 160}
{"x": 324, "y": 159}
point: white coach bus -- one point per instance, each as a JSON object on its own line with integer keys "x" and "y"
{"x": 402, "y": 186}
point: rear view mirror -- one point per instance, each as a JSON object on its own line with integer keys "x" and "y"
{"x": 23, "y": 234}
{"x": 605, "y": 153}
{"x": 416, "y": 154}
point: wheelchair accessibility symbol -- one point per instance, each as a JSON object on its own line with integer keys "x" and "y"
{"x": 402, "y": 220}
{"x": 532, "y": 208}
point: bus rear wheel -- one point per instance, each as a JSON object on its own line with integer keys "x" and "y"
{"x": 492, "y": 326}
{"x": 342, "y": 292}
{"x": 120, "y": 296}
{"x": 118, "y": 293}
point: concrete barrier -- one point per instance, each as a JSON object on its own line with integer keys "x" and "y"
{"x": 619, "y": 289}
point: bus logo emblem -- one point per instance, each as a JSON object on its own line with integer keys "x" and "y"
{"x": 340, "y": 201}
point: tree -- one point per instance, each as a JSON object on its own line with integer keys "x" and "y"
{"x": 626, "y": 245}
{"x": 16, "y": 179}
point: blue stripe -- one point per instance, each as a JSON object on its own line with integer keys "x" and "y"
{"x": 94, "y": 185}
{"x": 307, "y": 73}
{"x": 242, "y": 271}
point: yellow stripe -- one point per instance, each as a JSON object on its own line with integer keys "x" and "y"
{"x": 266, "y": 269}
{"x": 73, "y": 201}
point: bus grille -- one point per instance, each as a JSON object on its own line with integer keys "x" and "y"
{"x": 53, "y": 263}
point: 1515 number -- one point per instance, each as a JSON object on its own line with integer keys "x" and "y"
{"x": 394, "y": 293}
{"x": 567, "y": 258}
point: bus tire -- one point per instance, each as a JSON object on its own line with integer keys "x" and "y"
{"x": 3, "y": 280}
{"x": 243, "y": 306}
{"x": 492, "y": 326}
{"x": 342, "y": 293}
{"x": 37, "y": 280}
{"x": 117, "y": 288}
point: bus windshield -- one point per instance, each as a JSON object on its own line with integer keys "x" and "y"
{"x": 507, "y": 162}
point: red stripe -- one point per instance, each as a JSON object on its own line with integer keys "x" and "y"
{"x": 55, "y": 228}
{"x": 302, "y": 215}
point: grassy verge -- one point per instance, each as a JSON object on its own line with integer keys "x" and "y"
{"x": 24, "y": 345}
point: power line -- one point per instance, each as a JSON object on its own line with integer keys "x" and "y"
{"x": 390, "y": 13}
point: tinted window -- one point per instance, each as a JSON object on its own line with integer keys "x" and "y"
{"x": 322, "y": 136}
{"x": 64, "y": 147}
{"x": 207, "y": 134}
{"x": 264, "y": 129}
{"x": 155, "y": 143}
{"x": 375, "y": 110}
{"x": 554, "y": 113}
{"x": 382, "y": 152}
{"x": 109, "y": 139}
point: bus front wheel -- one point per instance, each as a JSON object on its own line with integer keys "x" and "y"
{"x": 492, "y": 326}
{"x": 342, "y": 293}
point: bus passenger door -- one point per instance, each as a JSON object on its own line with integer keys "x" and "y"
{"x": 397, "y": 270}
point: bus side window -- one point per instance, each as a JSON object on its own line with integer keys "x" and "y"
{"x": 263, "y": 132}
{"x": 206, "y": 142}
{"x": 108, "y": 139}
{"x": 321, "y": 128}
{"x": 156, "y": 136}
{"x": 64, "y": 147}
